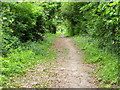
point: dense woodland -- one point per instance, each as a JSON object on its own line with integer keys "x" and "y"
{"x": 29, "y": 28}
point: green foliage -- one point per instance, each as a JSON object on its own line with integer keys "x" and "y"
{"x": 24, "y": 38}
{"x": 107, "y": 62}
{"x": 19, "y": 20}
{"x": 97, "y": 20}
{"x": 26, "y": 55}
{"x": 97, "y": 27}
{"x": 50, "y": 10}
{"x": 25, "y": 24}
{"x": 26, "y": 21}
{"x": 70, "y": 11}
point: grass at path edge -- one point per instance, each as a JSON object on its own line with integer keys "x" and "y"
{"x": 25, "y": 56}
{"x": 107, "y": 63}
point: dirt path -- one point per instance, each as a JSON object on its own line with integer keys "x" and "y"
{"x": 67, "y": 72}
{"x": 70, "y": 71}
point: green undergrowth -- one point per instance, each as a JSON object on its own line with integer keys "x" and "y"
{"x": 25, "y": 56}
{"x": 107, "y": 63}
